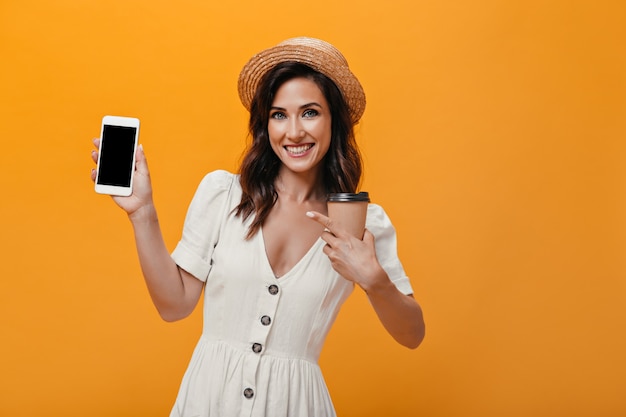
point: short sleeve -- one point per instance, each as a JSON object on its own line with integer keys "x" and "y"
{"x": 379, "y": 224}
{"x": 202, "y": 224}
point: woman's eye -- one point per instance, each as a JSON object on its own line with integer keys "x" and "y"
{"x": 310, "y": 113}
{"x": 278, "y": 115}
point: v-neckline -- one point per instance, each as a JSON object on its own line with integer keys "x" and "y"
{"x": 295, "y": 266}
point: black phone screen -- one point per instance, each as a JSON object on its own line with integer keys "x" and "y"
{"x": 116, "y": 155}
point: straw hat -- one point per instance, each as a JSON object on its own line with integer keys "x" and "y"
{"x": 319, "y": 55}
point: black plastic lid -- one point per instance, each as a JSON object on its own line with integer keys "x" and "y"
{"x": 337, "y": 197}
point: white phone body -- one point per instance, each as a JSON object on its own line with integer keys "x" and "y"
{"x": 116, "y": 159}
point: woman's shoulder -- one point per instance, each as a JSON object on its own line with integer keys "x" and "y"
{"x": 377, "y": 221}
{"x": 219, "y": 179}
{"x": 216, "y": 186}
{"x": 376, "y": 215}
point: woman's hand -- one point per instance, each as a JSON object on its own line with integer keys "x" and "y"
{"x": 353, "y": 259}
{"x": 140, "y": 201}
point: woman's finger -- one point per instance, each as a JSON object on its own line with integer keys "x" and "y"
{"x": 325, "y": 221}
{"x": 140, "y": 159}
{"x": 94, "y": 157}
{"x": 329, "y": 238}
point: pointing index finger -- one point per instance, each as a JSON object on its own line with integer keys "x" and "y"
{"x": 320, "y": 218}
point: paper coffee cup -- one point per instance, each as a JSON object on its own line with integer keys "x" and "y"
{"x": 349, "y": 210}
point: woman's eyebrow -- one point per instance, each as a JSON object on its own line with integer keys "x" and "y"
{"x": 311, "y": 104}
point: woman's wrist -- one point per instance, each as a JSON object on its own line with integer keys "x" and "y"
{"x": 144, "y": 214}
{"x": 379, "y": 282}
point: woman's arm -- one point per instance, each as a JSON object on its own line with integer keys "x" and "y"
{"x": 356, "y": 261}
{"x": 174, "y": 292}
{"x": 399, "y": 313}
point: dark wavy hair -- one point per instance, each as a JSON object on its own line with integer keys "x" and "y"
{"x": 342, "y": 165}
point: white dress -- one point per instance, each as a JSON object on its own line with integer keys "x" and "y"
{"x": 262, "y": 336}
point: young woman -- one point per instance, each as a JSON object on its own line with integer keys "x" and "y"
{"x": 274, "y": 268}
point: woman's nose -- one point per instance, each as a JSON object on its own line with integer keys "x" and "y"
{"x": 295, "y": 131}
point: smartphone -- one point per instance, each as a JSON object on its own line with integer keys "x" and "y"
{"x": 116, "y": 159}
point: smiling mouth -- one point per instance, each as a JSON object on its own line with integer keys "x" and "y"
{"x": 298, "y": 150}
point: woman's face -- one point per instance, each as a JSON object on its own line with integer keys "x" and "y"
{"x": 299, "y": 125}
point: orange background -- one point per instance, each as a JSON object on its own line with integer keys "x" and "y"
{"x": 494, "y": 136}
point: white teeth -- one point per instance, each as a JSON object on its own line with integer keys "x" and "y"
{"x": 298, "y": 149}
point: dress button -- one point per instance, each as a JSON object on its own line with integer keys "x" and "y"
{"x": 266, "y": 320}
{"x": 273, "y": 289}
{"x": 248, "y": 393}
{"x": 257, "y": 347}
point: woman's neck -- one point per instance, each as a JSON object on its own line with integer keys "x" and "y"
{"x": 299, "y": 187}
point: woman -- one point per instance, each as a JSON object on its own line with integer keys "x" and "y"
{"x": 274, "y": 268}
